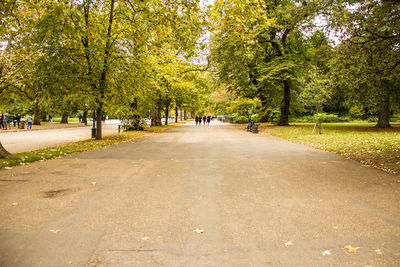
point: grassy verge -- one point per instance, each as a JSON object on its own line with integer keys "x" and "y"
{"x": 76, "y": 147}
{"x": 379, "y": 148}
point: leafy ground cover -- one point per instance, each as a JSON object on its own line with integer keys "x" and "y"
{"x": 76, "y": 147}
{"x": 378, "y": 148}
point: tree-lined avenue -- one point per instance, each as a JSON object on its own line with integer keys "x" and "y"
{"x": 199, "y": 195}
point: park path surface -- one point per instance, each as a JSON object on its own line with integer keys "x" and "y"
{"x": 23, "y": 141}
{"x": 199, "y": 196}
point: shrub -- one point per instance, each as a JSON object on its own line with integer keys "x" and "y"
{"x": 256, "y": 117}
{"x": 323, "y": 117}
{"x": 395, "y": 117}
{"x": 241, "y": 119}
{"x": 274, "y": 114}
{"x": 357, "y": 112}
{"x": 132, "y": 122}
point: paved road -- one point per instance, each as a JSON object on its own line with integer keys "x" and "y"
{"x": 16, "y": 142}
{"x": 199, "y": 196}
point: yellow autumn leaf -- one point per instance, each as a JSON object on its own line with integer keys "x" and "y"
{"x": 351, "y": 249}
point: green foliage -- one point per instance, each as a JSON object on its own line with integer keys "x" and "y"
{"x": 259, "y": 50}
{"x": 323, "y": 117}
{"x": 274, "y": 115}
{"x": 366, "y": 64}
{"x": 317, "y": 90}
{"x": 256, "y": 117}
{"x": 132, "y": 121}
{"x": 244, "y": 106}
{"x": 241, "y": 119}
{"x": 356, "y": 112}
{"x": 114, "y": 56}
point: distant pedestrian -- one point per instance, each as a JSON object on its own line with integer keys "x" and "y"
{"x": 29, "y": 121}
{"x": 1, "y": 121}
{"x": 5, "y": 121}
{"x": 50, "y": 118}
{"x": 79, "y": 117}
{"x": 18, "y": 119}
{"x": 197, "y": 120}
{"x": 104, "y": 118}
{"x": 9, "y": 121}
{"x": 204, "y": 120}
{"x": 208, "y": 120}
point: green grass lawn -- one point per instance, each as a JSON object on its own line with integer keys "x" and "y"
{"x": 379, "y": 148}
{"x": 76, "y": 147}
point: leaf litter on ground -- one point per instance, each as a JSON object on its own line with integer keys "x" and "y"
{"x": 351, "y": 249}
{"x": 199, "y": 231}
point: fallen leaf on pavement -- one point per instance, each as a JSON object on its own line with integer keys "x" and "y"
{"x": 351, "y": 249}
{"x": 326, "y": 253}
{"x": 15, "y": 203}
{"x": 288, "y": 244}
{"x": 199, "y": 231}
{"x": 145, "y": 238}
{"x": 93, "y": 183}
{"x": 335, "y": 227}
{"x": 54, "y": 231}
{"x": 378, "y": 251}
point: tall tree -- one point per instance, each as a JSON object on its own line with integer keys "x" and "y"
{"x": 258, "y": 47}
{"x": 368, "y": 58}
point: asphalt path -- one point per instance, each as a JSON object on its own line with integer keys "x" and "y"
{"x": 16, "y": 142}
{"x": 199, "y": 196}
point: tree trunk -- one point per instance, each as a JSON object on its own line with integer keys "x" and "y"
{"x": 36, "y": 119}
{"x": 99, "y": 121}
{"x": 166, "y": 114}
{"x": 156, "y": 114}
{"x": 284, "y": 120}
{"x": 384, "y": 114}
{"x": 84, "y": 117}
{"x": 103, "y": 76}
{"x": 181, "y": 115}
{"x": 64, "y": 117}
{"x": 3, "y": 152}
{"x": 184, "y": 114}
{"x": 176, "y": 114}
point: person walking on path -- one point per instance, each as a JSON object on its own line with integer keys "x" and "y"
{"x": 204, "y": 120}
{"x": 18, "y": 119}
{"x": 9, "y": 121}
{"x": 5, "y": 121}
{"x": 196, "y": 119}
{"x": 80, "y": 117}
{"x": 208, "y": 120}
{"x": 1, "y": 121}
{"x": 29, "y": 120}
